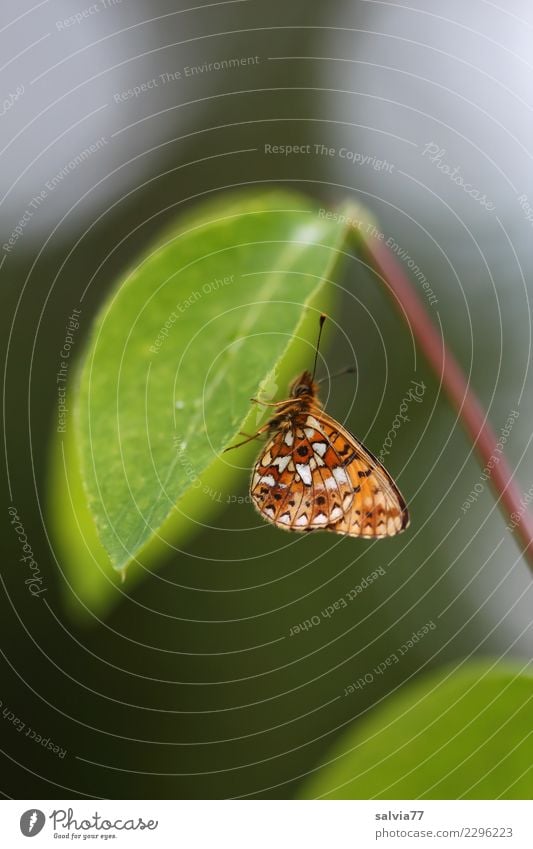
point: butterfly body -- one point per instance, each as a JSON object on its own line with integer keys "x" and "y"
{"x": 312, "y": 474}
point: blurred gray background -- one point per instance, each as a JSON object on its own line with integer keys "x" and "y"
{"x": 112, "y": 121}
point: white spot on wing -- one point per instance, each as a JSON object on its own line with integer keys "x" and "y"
{"x": 285, "y": 518}
{"x": 309, "y": 432}
{"x": 340, "y": 475}
{"x": 320, "y": 519}
{"x": 320, "y": 448}
{"x": 302, "y": 520}
{"x": 282, "y": 462}
{"x": 312, "y": 422}
{"x": 305, "y": 473}
{"x": 330, "y": 482}
{"x": 268, "y": 480}
{"x": 335, "y": 514}
{"x": 289, "y": 438}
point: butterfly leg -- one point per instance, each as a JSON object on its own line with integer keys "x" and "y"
{"x": 249, "y": 435}
{"x": 248, "y": 438}
{"x": 268, "y": 403}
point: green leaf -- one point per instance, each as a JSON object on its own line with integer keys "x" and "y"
{"x": 204, "y": 321}
{"x": 458, "y": 734}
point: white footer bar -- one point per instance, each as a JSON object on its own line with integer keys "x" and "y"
{"x": 266, "y": 824}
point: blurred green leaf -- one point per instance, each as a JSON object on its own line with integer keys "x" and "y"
{"x": 211, "y": 316}
{"x": 459, "y": 734}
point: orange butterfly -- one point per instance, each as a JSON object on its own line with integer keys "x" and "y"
{"x": 314, "y": 474}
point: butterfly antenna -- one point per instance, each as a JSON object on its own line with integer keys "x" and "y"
{"x": 347, "y": 370}
{"x": 321, "y": 321}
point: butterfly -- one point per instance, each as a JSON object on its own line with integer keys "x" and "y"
{"x": 312, "y": 473}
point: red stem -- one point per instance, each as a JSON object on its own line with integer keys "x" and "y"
{"x": 447, "y": 369}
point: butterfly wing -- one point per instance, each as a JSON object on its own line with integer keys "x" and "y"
{"x": 275, "y": 487}
{"x": 314, "y": 474}
{"x": 373, "y": 506}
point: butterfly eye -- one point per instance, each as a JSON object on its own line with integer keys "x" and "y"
{"x": 302, "y": 389}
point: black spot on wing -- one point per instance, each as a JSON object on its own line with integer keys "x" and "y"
{"x": 353, "y": 456}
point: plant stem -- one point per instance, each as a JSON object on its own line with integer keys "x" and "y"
{"x": 447, "y": 369}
